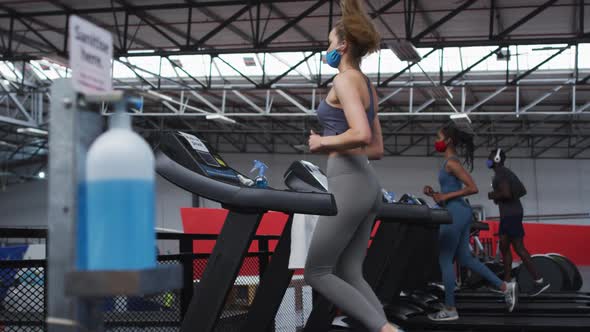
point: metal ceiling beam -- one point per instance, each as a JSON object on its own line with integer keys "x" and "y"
{"x": 297, "y": 27}
{"x": 293, "y": 22}
{"x": 240, "y": 73}
{"x": 540, "y": 99}
{"x": 377, "y": 13}
{"x": 384, "y": 8}
{"x": 278, "y": 78}
{"x": 528, "y": 72}
{"x": 40, "y": 36}
{"x": 176, "y": 66}
{"x": 486, "y": 99}
{"x": 223, "y": 25}
{"x": 466, "y": 70}
{"x": 537, "y": 154}
{"x": 401, "y": 72}
{"x": 249, "y": 102}
{"x": 443, "y": 20}
{"x": 153, "y": 21}
{"x": 525, "y": 19}
{"x": 294, "y": 102}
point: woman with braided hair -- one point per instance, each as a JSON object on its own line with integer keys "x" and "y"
{"x": 456, "y": 183}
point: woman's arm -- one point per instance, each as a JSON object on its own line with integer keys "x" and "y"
{"x": 359, "y": 131}
{"x": 375, "y": 149}
{"x": 470, "y": 187}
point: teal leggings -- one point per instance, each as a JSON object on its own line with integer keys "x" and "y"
{"x": 454, "y": 244}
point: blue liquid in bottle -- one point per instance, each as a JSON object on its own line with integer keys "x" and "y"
{"x": 120, "y": 224}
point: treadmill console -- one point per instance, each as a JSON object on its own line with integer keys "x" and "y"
{"x": 306, "y": 177}
{"x": 196, "y": 154}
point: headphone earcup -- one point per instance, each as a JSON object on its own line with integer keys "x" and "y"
{"x": 497, "y": 158}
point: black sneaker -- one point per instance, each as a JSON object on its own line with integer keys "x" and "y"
{"x": 539, "y": 287}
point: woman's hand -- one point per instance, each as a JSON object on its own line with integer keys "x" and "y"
{"x": 428, "y": 191}
{"x": 439, "y": 198}
{"x": 315, "y": 142}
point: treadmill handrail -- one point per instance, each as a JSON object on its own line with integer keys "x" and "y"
{"x": 246, "y": 198}
{"x": 413, "y": 214}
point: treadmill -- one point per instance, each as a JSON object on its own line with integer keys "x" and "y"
{"x": 479, "y": 312}
{"x": 572, "y": 299}
{"x": 392, "y": 216}
{"x": 189, "y": 162}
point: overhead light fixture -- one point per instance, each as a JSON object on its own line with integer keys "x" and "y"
{"x": 462, "y": 121}
{"x": 439, "y": 92}
{"x": 503, "y": 54}
{"x": 460, "y": 118}
{"x": 220, "y": 118}
{"x": 9, "y": 145}
{"x": 41, "y": 175}
{"x": 140, "y": 51}
{"x": 32, "y": 131}
{"x": 405, "y": 50}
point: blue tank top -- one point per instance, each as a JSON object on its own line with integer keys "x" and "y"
{"x": 450, "y": 183}
{"x": 333, "y": 119}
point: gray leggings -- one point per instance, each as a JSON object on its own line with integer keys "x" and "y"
{"x": 334, "y": 265}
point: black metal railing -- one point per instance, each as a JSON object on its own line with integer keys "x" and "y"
{"x": 23, "y": 283}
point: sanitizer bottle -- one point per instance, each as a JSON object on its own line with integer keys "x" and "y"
{"x": 119, "y": 224}
{"x": 261, "y": 181}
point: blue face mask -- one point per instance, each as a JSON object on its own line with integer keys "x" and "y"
{"x": 333, "y": 58}
{"x": 490, "y": 163}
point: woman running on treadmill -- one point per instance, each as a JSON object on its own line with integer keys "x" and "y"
{"x": 456, "y": 183}
{"x": 351, "y": 137}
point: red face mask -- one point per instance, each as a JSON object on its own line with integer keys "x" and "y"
{"x": 440, "y": 146}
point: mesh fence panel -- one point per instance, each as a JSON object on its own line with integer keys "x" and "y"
{"x": 295, "y": 307}
{"x": 22, "y": 295}
{"x": 22, "y": 301}
{"x": 155, "y": 313}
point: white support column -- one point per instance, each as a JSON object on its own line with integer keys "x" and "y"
{"x": 463, "y": 97}
{"x": 223, "y": 98}
{"x": 411, "y": 105}
{"x": 517, "y": 101}
{"x": 267, "y": 107}
{"x": 574, "y": 98}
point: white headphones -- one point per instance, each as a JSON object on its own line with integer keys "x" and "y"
{"x": 497, "y": 158}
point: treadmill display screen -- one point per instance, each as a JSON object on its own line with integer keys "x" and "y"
{"x": 206, "y": 160}
{"x": 200, "y": 148}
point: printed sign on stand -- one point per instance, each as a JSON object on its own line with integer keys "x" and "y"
{"x": 91, "y": 54}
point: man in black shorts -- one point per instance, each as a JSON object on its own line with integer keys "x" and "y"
{"x": 508, "y": 190}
